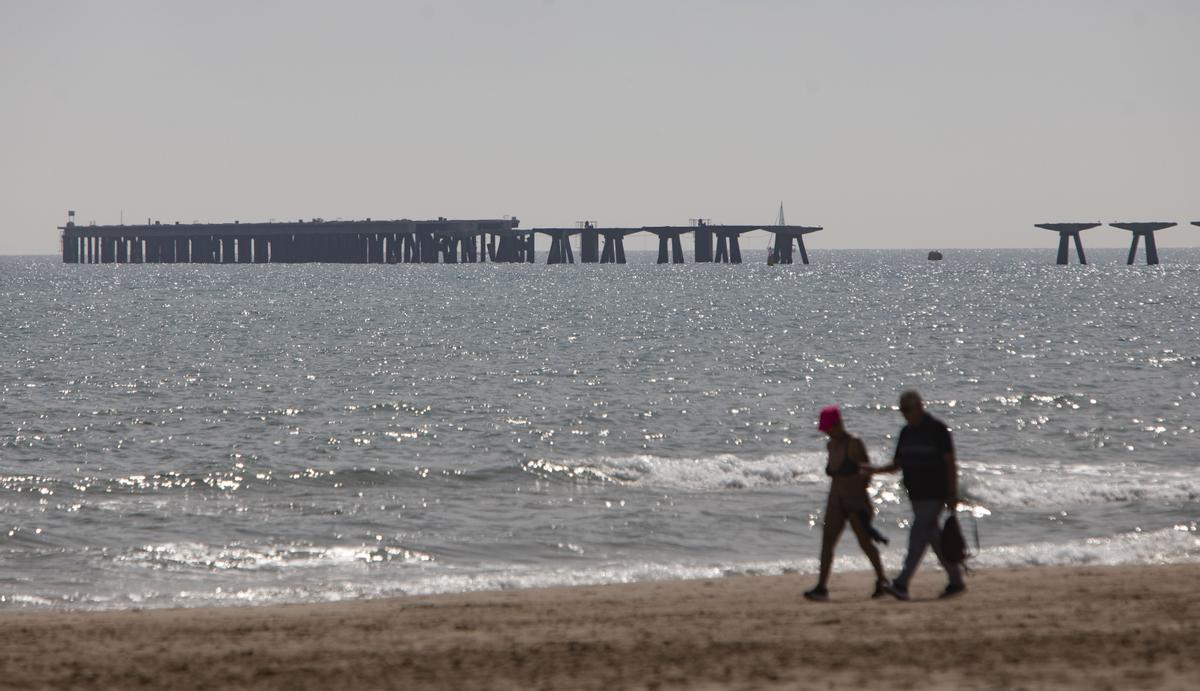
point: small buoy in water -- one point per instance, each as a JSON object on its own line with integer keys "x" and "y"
{"x": 934, "y": 256}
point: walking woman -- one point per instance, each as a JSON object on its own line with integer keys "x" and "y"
{"x": 848, "y": 502}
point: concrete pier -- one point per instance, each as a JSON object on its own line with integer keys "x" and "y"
{"x": 356, "y": 242}
{"x": 1144, "y": 229}
{"x": 1067, "y": 232}
{"x": 441, "y": 240}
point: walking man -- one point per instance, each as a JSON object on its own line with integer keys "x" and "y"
{"x": 925, "y": 456}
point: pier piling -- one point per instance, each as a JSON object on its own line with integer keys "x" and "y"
{"x": 1067, "y": 232}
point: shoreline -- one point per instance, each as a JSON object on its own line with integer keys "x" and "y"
{"x": 1063, "y": 627}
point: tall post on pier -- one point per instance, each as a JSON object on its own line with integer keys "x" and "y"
{"x": 1143, "y": 229}
{"x": 1067, "y": 232}
{"x": 703, "y": 240}
{"x": 589, "y": 242}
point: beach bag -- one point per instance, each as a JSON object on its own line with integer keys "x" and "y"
{"x": 954, "y": 546}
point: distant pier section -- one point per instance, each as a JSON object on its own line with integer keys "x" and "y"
{"x": 1140, "y": 229}
{"x": 442, "y": 240}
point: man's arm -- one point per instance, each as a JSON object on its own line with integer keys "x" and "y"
{"x": 889, "y": 468}
{"x": 951, "y": 481}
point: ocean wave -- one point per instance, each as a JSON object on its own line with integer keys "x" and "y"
{"x": 1176, "y": 544}
{"x": 1058, "y": 485}
{"x": 205, "y": 557}
{"x": 718, "y": 472}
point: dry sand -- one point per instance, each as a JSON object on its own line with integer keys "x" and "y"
{"x": 1094, "y": 628}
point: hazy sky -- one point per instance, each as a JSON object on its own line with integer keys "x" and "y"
{"x": 893, "y": 124}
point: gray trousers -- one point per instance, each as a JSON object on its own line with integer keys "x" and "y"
{"x": 926, "y": 531}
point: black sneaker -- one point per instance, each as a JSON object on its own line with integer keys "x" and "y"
{"x": 817, "y": 594}
{"x": 952, "y": 590}
{"x": 896, "y": 590}
{"x": 881, "y": 589}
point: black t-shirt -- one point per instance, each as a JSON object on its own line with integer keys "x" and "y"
{"x": 921, "y": 454}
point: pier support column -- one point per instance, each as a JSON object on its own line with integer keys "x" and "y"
{"x": 530, "y": 248}
{"x": 245, "y": 252}
{"x": 614, "y": 248}
{"x": 506, "y": 250}
{"x": 722, "y": 254}
{"x": 1143, "y": 229}
{"x": 1064, "y": 248}
{"x": 136, "y": 255}
{"x": 663, "y": 249}
{"x": 781, "y": 249}
{"x": 428, "y": 247}
{"x": 560, "y": 249}
{"x": 1151, "y": 249}
{"x": 450, "y": 250}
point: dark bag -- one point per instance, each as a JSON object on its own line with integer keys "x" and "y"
{"x": 954, "y": 547}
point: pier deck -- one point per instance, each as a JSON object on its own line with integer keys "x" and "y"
{"x": 442, "y": 240}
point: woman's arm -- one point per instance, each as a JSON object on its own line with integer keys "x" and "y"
{"x": 858, "y": 453}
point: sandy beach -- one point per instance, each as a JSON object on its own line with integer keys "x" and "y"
{"x": 1082, "y": 627}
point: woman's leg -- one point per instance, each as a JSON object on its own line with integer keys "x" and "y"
{"x": 835, "y": 520}
{"x": 862, "y": 532}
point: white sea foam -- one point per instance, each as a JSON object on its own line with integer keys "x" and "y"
{"x": 199, "y": 556}
{"x": 991, "y": 485}
{"x": 721, "y": 471}
{"x": 1059, "y": 485}
{"x": 1172, "y": 545}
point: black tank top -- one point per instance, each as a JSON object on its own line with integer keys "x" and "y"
{"x": 847, "y": 466}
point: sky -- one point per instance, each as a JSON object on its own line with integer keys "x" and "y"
{"x": 917, "y": 124}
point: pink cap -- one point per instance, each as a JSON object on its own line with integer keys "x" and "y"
{"x": 830, "y": 416}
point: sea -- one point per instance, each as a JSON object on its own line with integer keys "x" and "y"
{"x": 199, "y": 435}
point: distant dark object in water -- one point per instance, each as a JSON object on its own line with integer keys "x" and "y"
{"x": 934, "y": 256}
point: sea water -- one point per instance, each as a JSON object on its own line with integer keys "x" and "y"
{"x": 177, "y": 435}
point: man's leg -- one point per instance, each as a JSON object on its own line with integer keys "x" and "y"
{"x": 924, "y": 530}
{"x": 953, "y": 571}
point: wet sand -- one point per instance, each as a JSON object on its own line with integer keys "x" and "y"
{"x": 1081, "y": 627}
